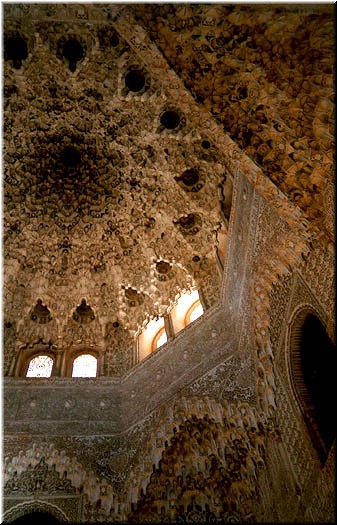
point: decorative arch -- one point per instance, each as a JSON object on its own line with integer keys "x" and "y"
{"x": 195, "y": 310}
{"x": 293, "y": 347}
{"x": 311, "y": 361}
{"x": 159, "y": 339}
{"x": 66, "y": 471}
{"x": 36, "y": 506}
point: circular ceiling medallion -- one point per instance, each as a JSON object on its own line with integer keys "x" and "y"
{"x": 190, "y": 177}
{"x": 73, "y": 52}
{"x": 114, "y": 40}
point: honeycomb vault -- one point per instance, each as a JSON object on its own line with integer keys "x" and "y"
{"x": 152, "y": 150}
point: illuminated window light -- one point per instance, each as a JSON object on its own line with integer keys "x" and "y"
{"x": 40, "y": 366}
{"x": 160, "y": 339}
{"x": 185, "y": 301}
{"x": 85, "y": 365}
{"x": 195, "y": 311}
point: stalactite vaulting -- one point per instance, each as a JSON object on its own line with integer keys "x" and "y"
{"x": 168, "y": 262}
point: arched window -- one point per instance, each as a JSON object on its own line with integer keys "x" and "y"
{"x": 151, "y": 337}
{"x": 187, "y": 309}
{"x": 159, "y": 339}
{"x": 84, "y": 365}
{"x": 195, "y": 311}
{"x": 40, "y": 366}
{"x": 313, "y": 371}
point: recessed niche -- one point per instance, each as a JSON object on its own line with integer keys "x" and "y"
{"x": 16, "y": 50}
{"x": 205, "y": 144}
{"x": 114, "y": 40}
{"x": 163, "y": 267}
{"x": 190, "y": 177}
{"x": 40, "y": 313}
{"x": 135, "y": 80}
{"x": 188, "y": 221}
{"x": 73, "y": 52}
{"x": 84, "y": 313}
{"x": 70, "y": 157}
{"x": 170, "y": 119}
{"x": 134, "y": 298}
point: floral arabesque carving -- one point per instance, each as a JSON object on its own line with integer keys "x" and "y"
{"x": 119, "y": 349}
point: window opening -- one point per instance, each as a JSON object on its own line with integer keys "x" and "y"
{"x": 187, "y": 309}
{"x": 151, "y": 337}
{"x": 85, "y": 365}
{"x": 194, "y": 312}
{"x": 159, "y": 339}
{"x": 40, "y": 366}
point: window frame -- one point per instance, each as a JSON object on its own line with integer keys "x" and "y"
{"x": 25, "y": 357}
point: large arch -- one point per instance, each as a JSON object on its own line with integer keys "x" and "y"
{"x": 36, "y": 511}
{"x": 311, "y": 367}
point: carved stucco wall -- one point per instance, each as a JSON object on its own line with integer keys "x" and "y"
{"x": 179, "y": 376}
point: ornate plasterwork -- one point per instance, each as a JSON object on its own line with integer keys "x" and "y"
{"x": 102, "y": 172}
{"x": 117, "y": 469}
{"x": 266, "y": 74}
{"x": 105, "y": 246}
{"x": 14, "y": 509}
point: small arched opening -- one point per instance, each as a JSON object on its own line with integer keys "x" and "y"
{"x": 40, "y": 366}
{"x": 84, "y": 365}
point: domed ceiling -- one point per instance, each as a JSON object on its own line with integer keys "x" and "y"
{"x": 116, "y": 125}
{"x": 115, "y": 190}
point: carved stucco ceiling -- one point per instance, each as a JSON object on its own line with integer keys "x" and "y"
{"x": 104, "y": 199}
{"x": 98, "y": 192}
{"x": 266, "y": 73}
